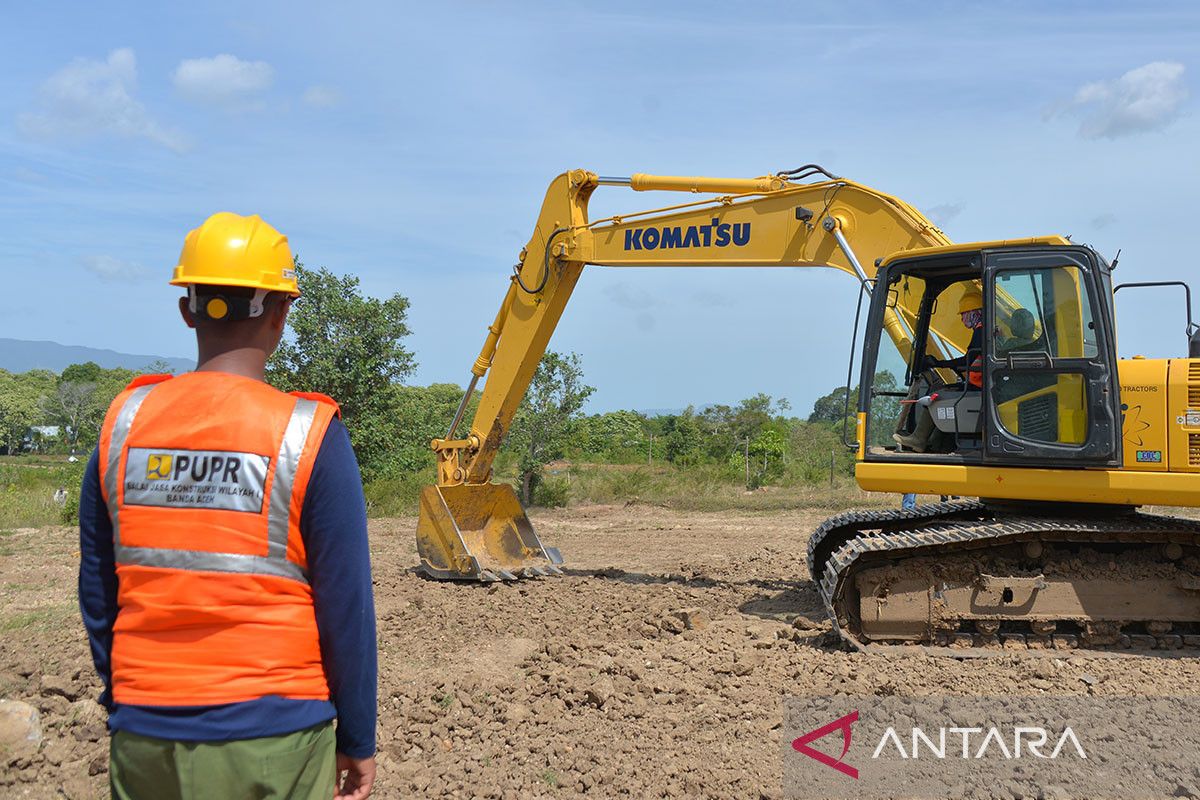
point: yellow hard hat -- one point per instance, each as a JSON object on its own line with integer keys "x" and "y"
{"x": 232, "y": 250}
{"x": 971, "y": 300}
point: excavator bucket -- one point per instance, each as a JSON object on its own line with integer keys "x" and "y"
{"x": 480, "y": 532}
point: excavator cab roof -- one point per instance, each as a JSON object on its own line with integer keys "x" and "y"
{"x": 919, "y": 253}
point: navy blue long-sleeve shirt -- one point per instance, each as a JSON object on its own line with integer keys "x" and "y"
{"x": 333, "y": 524}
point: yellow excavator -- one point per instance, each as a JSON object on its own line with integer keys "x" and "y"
{"x": 988, "y": 371}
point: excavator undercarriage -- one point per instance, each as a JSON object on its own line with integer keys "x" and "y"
{"x": 991, "y": 578}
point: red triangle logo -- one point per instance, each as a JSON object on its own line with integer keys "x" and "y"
{"x": 843, "y": 724}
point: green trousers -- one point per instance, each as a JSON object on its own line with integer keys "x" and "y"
{"x": 295, "y": 766}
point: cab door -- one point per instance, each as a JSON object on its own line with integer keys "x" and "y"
{"x": 1050, "y": 363}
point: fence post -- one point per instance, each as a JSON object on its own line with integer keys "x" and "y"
{"x": 747, "y": 462}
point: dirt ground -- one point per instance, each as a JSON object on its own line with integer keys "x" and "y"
{"x": 590, "y": 683}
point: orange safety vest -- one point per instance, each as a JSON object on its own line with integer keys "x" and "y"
{"x": 975, "y": 370}
{"x": 204, "y": 476}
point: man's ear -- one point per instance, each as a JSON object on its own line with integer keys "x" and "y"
{"x": 186, "y": 313}
{"x": 279, "y": 312}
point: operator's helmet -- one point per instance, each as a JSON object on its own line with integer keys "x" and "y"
{"x": 231, "y": 263}
{"x": 971, "y": 300}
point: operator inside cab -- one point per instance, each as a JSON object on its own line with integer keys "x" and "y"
{"x": 969, "y": 365}
{"x": 970, "y": 310}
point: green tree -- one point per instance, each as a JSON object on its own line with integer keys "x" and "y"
{"x": 755, "y": 413}
{"x": 348, "y": 346}
{"x": 684, "y": 442}
{"x": 78, "y": 400}
{"x": 832, "y": 407}
{"x": 420, "y": 414}
{"x": 109, "y": 384}
{"x": 728, "y": 428}
{"x": 766, "y": 458}
{"x": 71, "y": 406}
{"x": 619, "y": 436}
{"x": 20, "y": 406}
{"x": 543, "y": 423}
{"x": 157, "y": 367}
{"x": 884, "y": 410}
{"x": 87, "y": 372}
{"x": 812, "y": 447}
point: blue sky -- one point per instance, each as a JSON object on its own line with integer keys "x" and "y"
{"x": 411, "y": 145}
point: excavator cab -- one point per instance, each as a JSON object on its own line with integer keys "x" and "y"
{"x": 1036, "y": 388}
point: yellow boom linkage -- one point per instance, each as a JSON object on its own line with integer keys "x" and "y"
{"x": 471, "y": 528}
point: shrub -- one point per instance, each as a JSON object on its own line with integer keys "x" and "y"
{"x": 552, "y": 493}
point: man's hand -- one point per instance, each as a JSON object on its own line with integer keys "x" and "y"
{"x": 360, "y": 776}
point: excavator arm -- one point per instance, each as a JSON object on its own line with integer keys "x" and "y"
{"x": 471, "y": 528}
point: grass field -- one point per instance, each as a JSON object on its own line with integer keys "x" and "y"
{"x": 28, "y": 484}
{"x": 27, "y": 487}
{"x": 699, "y": 488}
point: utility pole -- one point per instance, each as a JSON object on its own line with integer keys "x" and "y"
{"x": 650, "y": 452}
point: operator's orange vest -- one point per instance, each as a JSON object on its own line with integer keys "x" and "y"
{"x": 975, "y": 370}
{"x": 204, "y": 476}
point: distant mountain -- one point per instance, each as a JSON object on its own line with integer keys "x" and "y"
{"x": 19, "y": 355}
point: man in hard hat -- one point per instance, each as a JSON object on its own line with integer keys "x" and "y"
{"x": 970, "y": 311}
{"x": 225, "y": 581}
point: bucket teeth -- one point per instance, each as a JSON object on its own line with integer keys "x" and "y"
{"x": 506, "y": 575}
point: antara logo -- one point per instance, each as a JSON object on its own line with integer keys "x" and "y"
{"x": 843, "y": 724}
{"x": 716, "y": 234}
{"x": 947, "y": 742}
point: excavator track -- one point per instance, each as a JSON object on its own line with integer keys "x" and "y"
{"x": 838, "y": 530}
{"x": 968, "y": 580}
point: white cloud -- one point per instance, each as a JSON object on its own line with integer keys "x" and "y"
{"x": 114, "y": 270}
{"x": 944, "y": 212}
{"x": 89, "y": 97}
{"x": 27, "y": 175}
{"x": 321, "y": 97}
{"x": 637, "y": 301}
{"x": 621, "y": 295}
{"x": 1144, "y": 99}
{"x": 222, "y": 80}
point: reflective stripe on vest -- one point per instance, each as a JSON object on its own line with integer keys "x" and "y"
{"x": 276, "y": 562}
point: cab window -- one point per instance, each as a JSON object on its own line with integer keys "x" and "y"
{"x": 1042, "y": 321}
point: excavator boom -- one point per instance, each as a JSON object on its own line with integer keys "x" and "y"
{"x": 472, "y": 528}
